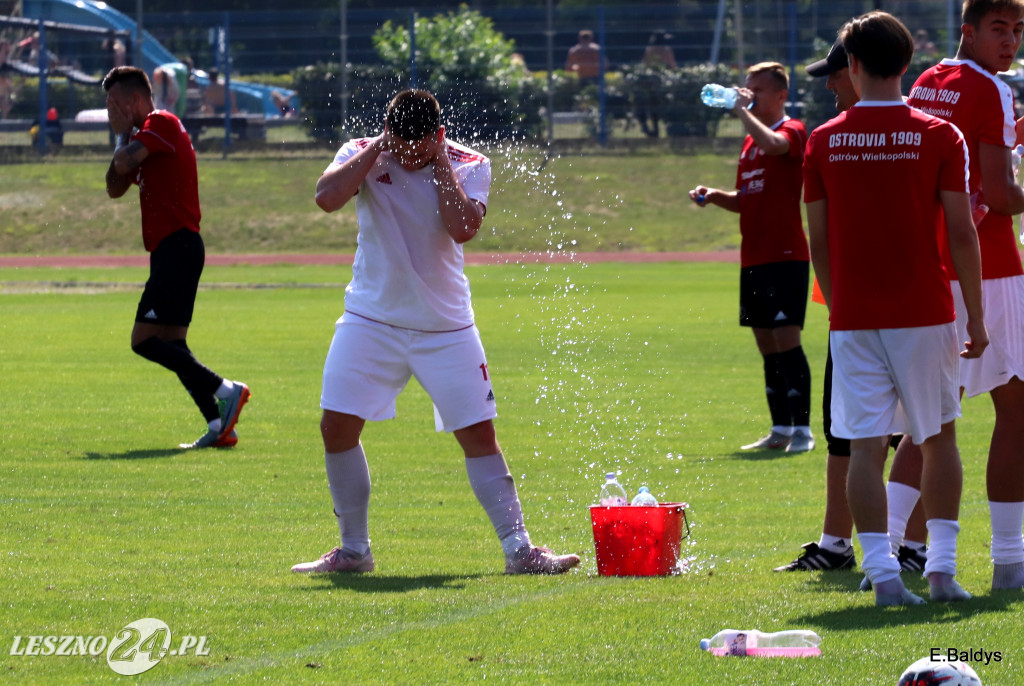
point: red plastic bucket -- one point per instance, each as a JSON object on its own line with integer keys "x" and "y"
{"x": 638, "y": 541}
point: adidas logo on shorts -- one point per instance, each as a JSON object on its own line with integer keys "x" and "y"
{"x": 150, "y": 315}
{"x": 490, "y": 396}
{"x": 781, "y": 316}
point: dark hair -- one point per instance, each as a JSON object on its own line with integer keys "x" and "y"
{"x": 976, "y": 10}
{"x": 130, "y": 78}
{"x": 880, "y": 42}
{"x": 413, "y": 115}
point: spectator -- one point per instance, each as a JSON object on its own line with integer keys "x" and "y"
{"x": 214, "y": 98}
{"x": 659, "y": 51}
{"x": 585, "y": 58}
{"x": 923, "y": 44}
{"x": 165, "y": 88}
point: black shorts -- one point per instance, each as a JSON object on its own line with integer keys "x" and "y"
{"x": 840, "y": 447}
{"x": 174, "y": 270}
{"x": 774, "y": 295}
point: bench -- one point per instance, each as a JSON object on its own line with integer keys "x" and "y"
{"x": 245, "y": 127}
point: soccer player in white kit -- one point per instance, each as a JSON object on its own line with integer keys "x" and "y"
{"x": 408, "y": 313}
{"x": 893, "y": 338}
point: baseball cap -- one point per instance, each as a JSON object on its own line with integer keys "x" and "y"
{"x": 833, "y": 62}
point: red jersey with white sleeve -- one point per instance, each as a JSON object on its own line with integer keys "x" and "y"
{"x": 167, "y": 179}
{"x": 408, "y": 272}
{"x": 880, "y": 167}
{"x": 981, "y": 106}
{"x": 769, "y": 187}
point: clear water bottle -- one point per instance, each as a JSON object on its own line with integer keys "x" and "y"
{"x": 644, "y": 498}
{"x": 612, "y": 493}
{"x": 1015, "y": 158}
{"x": 794, "y": 643}
{"x": 978, "y": 208}
{"x": 714, "y": 95}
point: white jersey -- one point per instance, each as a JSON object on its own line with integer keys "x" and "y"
{"x": 408, "y": 272}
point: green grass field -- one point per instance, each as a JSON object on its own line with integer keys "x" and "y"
{"x": 636, "y": 368}
{"x": 606, "y": 202}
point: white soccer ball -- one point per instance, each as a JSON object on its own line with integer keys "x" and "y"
{"x": 929, "y": 672}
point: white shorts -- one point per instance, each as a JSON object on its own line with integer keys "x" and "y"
{"x": 1003, "y": 359}
{"x": 887, "y": 381}
{"x": 369, "y": 363}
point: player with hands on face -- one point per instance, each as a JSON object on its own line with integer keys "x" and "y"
{"x": 408, "y": 312}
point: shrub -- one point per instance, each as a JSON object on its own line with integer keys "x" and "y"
{"x": 674, "y": 95}
{"x": 461, "y": 59}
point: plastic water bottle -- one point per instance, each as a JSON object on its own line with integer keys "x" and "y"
{"x": 644, "y": 498}
{"x": 612, "y": 493}
{"x": 794, "y": 643}
{"x": 1015, "y": 159}
{"x": 978, "y": 208}
{"x": 714, "y": 95}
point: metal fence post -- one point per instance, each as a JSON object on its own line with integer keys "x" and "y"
{"x": 44, "y": 66}
{"x": 412, "y": 49}
{"x": 602, "y": 95}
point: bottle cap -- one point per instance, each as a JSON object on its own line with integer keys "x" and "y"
{"x": 610, "y": 475}
{"x": 644, "y": 489}
{"x": 705, "y": 644}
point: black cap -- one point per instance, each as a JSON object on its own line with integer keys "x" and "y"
{"x": 835, "y": 61}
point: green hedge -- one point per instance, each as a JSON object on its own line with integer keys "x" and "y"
{"x": 67, "y": 98}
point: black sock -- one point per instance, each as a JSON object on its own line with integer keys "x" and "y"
{"x": 775, "y": 390}
{"x": 798, "y": 382}
{"x": 200, "y": 381}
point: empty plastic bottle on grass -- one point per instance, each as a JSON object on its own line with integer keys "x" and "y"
{"x": 714, "y": 95}
{"x": 644, "y": 498}
{"x": 612, "y": 493}
{"x": 794, "y": 643}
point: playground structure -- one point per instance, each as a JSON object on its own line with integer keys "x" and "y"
{"x": 88, "y": 18}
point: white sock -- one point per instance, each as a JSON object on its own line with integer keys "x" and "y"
{"x": 214, "y": 424}
{"x": 879, "y": 564}
{"x": 802, "y": 430}
{"x": 834, "y": 544}
{"x": 942, "y": 534}
{"x": 225, "y": 390}
{"x": 784, "y": 430}
{"x": 902, "y": 499}
{"x": 495, "y": 489}
{"x": 1007, "y": 536}
{"x": 916, "y": 546}
{"x": 348, "y": 478}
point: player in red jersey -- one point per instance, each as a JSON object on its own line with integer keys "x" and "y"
{"x": 892, "y": 333}
{"x": 154, "y": 152}
{"x": 774, "y": 259}
{"x": 834, "y": 550}
{"x": 967, "y": 92}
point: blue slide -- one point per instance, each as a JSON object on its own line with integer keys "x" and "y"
{"x": 251, "y": 97}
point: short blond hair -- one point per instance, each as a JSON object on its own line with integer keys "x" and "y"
{"x": 775, "y": 69}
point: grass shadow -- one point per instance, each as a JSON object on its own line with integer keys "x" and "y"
{"x": 760, "y": 454}
{"x": 141, "y": 454}
{"x": 866, "y": 616}
{"x": 362, "y": 583}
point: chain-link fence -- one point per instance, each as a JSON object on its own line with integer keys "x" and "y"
{"x": 631, "y": 98}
